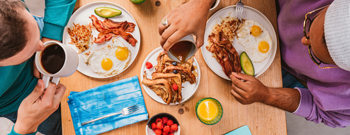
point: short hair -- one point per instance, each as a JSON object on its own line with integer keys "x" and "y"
{"x": 13, "y": 28}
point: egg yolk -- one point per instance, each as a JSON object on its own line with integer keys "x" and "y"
{"x": 122, "y": 53}
{"x": 107, "y": 64}
{"x": 255, "y": 30}
{"x": 263, "y": 47}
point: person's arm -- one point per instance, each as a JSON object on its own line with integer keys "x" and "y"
{"x": 298, "y": 101}
{"x": 189, "y": 18}
{"x": 36, "y": 107}
{"x": 57, "y": 14}
{"x": 247, "y": 89}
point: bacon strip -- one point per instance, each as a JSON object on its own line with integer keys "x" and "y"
{"x": 224, "y": 53}
{"x": 109, "y": 29}
{"x": 126, "y": 26}
{"x": 97, "y": 24}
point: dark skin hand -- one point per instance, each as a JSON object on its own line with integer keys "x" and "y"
{"x": 251, "y": 90}
{"x": 247, "y": 89}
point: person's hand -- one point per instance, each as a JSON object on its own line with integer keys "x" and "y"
{"x": 38, "y": 106}
{"x": 189, "y": 18}
{"x": 247, "y": 89}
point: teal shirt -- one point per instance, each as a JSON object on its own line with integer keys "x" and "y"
{"x": 18, "y": 81}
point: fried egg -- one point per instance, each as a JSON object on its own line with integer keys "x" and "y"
{"x": 255, "y": 39}
{"x": 109, "y": 60}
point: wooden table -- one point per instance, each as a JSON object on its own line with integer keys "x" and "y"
{"x": 261, "y": 119}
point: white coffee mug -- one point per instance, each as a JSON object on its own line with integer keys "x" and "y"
{"x": 215, "y": 5}
{"x": 69, "y": 67}
{"x": 193, "y": 48}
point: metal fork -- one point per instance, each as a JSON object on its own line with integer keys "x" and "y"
{"x": 124, "y": 111}
{"x": 239, "y": 9}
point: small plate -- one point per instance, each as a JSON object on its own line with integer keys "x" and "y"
{"x": 82, "y": 15}
{"x": 187, "y": 89}
{"x": 248, "y": 13}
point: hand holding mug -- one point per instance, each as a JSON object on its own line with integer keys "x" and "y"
{"x": 38, "y": 106}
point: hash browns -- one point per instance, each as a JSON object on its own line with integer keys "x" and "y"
{"x": 80, "y": 36}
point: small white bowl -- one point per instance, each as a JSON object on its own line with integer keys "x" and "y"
{"x": 215, "y": 5}
{"x": 149, "y": 131}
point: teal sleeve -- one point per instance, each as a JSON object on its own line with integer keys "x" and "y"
{"x": 14, "y": 133}
{"x": 57, "y": 14}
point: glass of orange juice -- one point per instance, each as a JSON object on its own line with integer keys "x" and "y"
{"x": 209, "y": 111}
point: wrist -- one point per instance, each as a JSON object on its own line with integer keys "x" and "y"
{"x": 205, "y": 4}
{"x": 24, "y": 129}
{"x": 269, "y": 97}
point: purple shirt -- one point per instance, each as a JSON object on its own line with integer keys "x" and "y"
{"x": 327, "y": 98}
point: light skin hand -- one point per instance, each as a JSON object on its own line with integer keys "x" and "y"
{"x": 38, "y": 106}
{"x": 189, "y": 18}
{"x": 247, "y": 89}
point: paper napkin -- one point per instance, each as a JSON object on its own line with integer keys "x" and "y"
{"x": 104, "y": 100}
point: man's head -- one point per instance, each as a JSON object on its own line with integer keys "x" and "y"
{"x": 19, "y": 33}
{"x": 329, "y": 36}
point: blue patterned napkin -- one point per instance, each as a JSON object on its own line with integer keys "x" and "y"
{"x": 104, "y": 100}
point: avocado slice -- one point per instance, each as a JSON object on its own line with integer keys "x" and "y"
{"x": 246, "y": 64}
{"x": 107, "y": 12}
{"x": 137, "y": 1}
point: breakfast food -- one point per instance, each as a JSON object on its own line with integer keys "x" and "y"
{"x": 168, "y": 77}
{"x": 109, "y": 60}
{"x": 246, "y": 64}
{"x": 220, "y": 44}
{"x": 107, "y": 12}
{"x": 80, "y": 36}
{"x": 164, "y": 126}
{"x": 255, "y": 39}
{"x": 108, "y": 29}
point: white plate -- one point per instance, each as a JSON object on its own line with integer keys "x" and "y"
{"x": 248, "y": 13}
{"x": 187, "y": 89}
{"x": 82, "y": 15}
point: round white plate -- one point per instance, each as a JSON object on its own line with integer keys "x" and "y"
{"x": 248, "y": 13}
{"x": 187, "y": 89}
{"x": 82, "y": 15}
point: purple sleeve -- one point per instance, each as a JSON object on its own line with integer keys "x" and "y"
{"x": 312, "y": 112}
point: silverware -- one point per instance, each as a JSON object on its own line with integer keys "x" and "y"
{"x": 239, "y": 9}
{"x": 124, "y": 111}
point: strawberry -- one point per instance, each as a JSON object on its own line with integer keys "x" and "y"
{"x": 164, "y": 133}
{"x": 165, "y": 119}
{"x": 169, "y": 122}
{"x": 166, "y": 129}
{"x": 154, "y": 126}
{"x": 175, "y": 86}
{"x": 159, "y": 120}
{"x": 160, "y": 125}
{"x": 149, "y": 65}
{"x": 158, "y": 132}
{"x": 174, "y": 127}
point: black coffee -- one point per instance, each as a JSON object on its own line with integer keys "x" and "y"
{"x": 52, "y": 58}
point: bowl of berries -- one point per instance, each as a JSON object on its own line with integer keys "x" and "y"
{"x": 163, "y": 124}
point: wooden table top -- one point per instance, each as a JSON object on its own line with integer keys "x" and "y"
{"x": 261, "y": 119}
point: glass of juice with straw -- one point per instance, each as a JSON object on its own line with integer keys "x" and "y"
{"x": 209, "y": 111}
